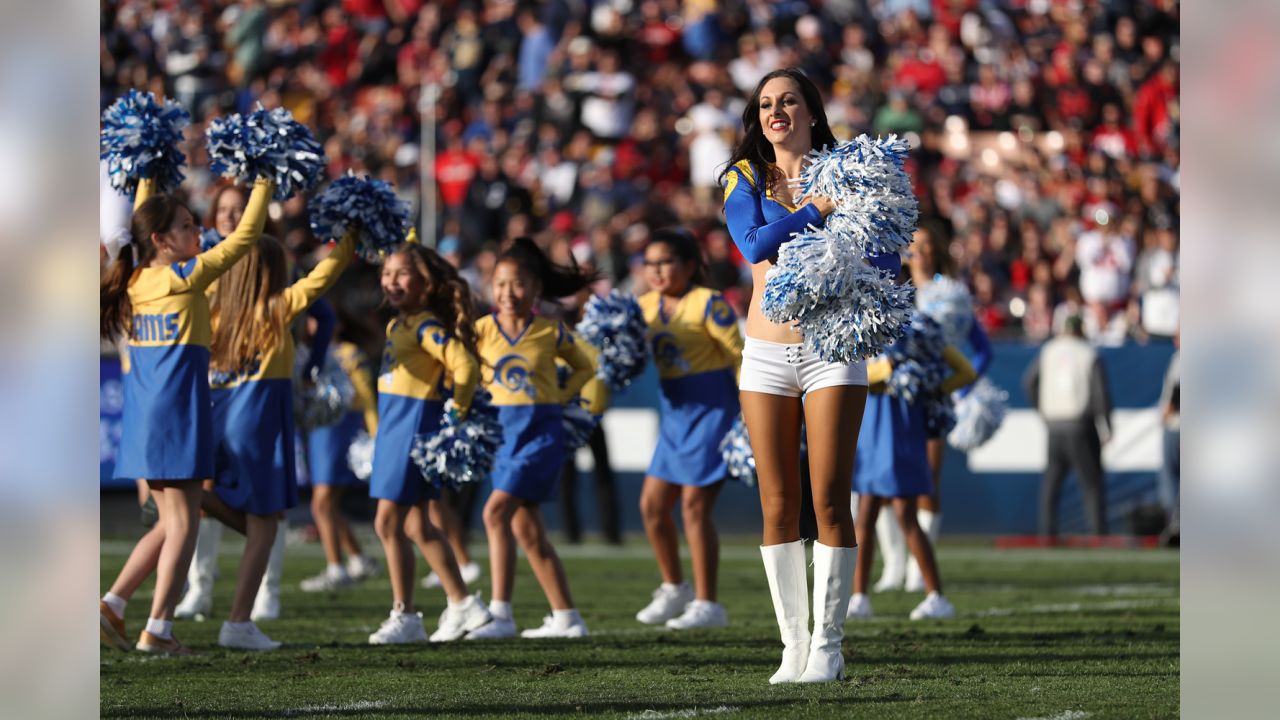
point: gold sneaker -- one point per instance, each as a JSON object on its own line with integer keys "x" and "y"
{"x": 149, "y": 643}
{"x": 111, "y": 627}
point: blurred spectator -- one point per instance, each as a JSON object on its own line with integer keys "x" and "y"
{"x": 1068, "y": 387}
{"x": 1029, "y": 121}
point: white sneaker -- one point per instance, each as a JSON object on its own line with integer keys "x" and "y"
{"x": 859, "y": 607}
{"x": 196, "y": 605}
{"x": 934, "y": 607}
{"x": 553, "y": 627}
{"x": 700, "y": 614}
{"x": 498, "y": 629}
{"x": 668, "y": 602}
{"x": 360, "y": 567}
{"x": 470, "y": 573}
{"x": 244, "y": 636}
{"x": 399, "y": 628}
{"x": 456, "y": 622}
{"x": 266, "y": 606}
{"x": 330, "y": 579}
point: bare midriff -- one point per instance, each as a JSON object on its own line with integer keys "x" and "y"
{"x": 759, "y": 326}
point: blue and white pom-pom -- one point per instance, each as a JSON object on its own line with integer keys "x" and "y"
{"x": 321, "y": 395}
{"x": 360, "y": 456}
{"x": 208, "y": 239}
{"x": 614, "y": 325}
{"x": 737, "y": 453}
{"x": 371, "y": 206}
{"x": 875, "y": 207}
{"x": 979, "y": 415}
{"x": 140, "y": 138}
{"x": 579, "y": 423}
{"x": 845, "y": 308}
{"x": 463, "y": 450}
{"x": 919, "y": 371}
{"x": 949, "y": 303}
{"x": 266, "y": 144}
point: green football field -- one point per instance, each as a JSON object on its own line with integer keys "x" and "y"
{"x": 1061, "y": 634}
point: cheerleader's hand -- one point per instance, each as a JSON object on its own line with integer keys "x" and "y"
{"x": 824, "y": 204}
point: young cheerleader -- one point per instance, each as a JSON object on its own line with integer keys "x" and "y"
{"x": 928, "y": 257}
{"x": 697, "y": 347}
{"x": 252, "y": 384}
{"x": 431, "y": 335}
{"x": 331, "y": 475}
{"x": 154, "y": 293}
{"x": 891, "y": 466}
{"x": 519, "y": 350}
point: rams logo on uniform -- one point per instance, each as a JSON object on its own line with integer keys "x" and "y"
{"x": 512, "y": 372}
{"x": 720, "y": 313}
{"x": 666, "y": 352}
{"x": 439, "y": 335}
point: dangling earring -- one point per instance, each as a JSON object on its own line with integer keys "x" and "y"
{"x": 813, "y": 123}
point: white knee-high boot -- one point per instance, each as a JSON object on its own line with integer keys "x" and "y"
{"x": 832, "y": 585}
{"x": 893, "y": 548}
{"x": 266, "y": 605}
{"x": 197, "y": 602}
{"x": 931, "y": 524}
{"x": 789, "y": 588}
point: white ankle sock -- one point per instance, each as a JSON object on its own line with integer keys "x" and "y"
{"x": 567, "y": 617}
{"x": 671, "y": 586}
{"x": 162, "y": 629}
{"x": 116, "y": 603}
{"x": 500, "y": 609}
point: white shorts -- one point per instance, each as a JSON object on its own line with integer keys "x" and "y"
{"x": 789, "y": 370}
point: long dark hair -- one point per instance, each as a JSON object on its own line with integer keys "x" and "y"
{"x": 759, "y": 151}
{"x": 447, "y": 294}
{"x": 557, "y": 281}
{"x": 154, "y": 216}
{"x": 684, "y": 246}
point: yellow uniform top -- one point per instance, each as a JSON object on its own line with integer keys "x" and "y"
{"x": 418, "y": 353}
{"x": 522, "y": 370}
{"x": 962, "y": 373}
{"x": 696, "y": 334}
{"x": 277, "y": 363}
{"x": 595, "y": 393}
{"x": 169, "y": 304}
{"x": 356, "y": 366}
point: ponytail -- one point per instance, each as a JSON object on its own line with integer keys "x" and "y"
{"x": 154, "y": 215}
{"x": 557, "y": 281}
{"x": 684, "y": 246}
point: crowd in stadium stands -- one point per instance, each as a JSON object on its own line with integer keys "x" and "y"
{"x": 1046, "y": 131}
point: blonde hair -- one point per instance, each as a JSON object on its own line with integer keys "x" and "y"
{"x": 248, "y": 312}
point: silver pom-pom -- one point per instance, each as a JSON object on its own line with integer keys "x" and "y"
{"x": 979, "y": 414}
{"x": 949, "y": 303}
{"x": 845, "y": 308}
{"x": 322, "y": 395}
{"x": 360, "y": 456}
{"x": 737, "y": 453}
{"x": 463, "y": 450}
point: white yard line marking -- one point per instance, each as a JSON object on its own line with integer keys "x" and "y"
{"x": 328, "y": 709}
{"x": 1064, "y": 715}
{"x": 693, "y": 712}
{"x": 1073, "y": 607}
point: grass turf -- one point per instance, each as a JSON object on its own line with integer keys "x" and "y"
{"x": 1062, "y": 634}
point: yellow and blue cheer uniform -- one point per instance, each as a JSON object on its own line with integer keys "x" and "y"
{"x": 520, "y": 373}
{"x": 418, "y": 355}
{"x": 167, "y": 426}
{"x": 327, "y": 445}
{"x": 892, "y": 458}
{"x": 256, "y": 465}
{"x": 697, "y": 348}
